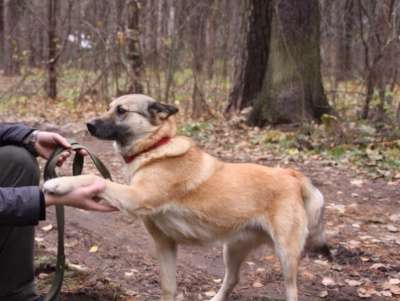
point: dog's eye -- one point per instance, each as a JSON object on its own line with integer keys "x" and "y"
{"x": 120, "y": 110}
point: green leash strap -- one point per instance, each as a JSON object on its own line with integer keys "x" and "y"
{"x": 50, "y": 173}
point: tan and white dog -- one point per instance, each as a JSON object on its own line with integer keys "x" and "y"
{"x": 184, "y": 195}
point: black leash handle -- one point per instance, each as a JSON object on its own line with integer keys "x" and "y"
{"x": 50, "y": 173}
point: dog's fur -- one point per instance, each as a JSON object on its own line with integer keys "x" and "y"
{"x": 184, "y": 195}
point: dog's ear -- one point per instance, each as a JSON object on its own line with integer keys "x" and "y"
{"x": 162, "y": 111}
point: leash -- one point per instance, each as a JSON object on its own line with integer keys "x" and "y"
{"x": 50, "y": 173}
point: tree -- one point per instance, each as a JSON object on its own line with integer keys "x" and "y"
{"x": 133, "y": 47}
{"x": 197, "y": 37}
{"x": 345, "y": 38}
{"x": 1, "y": 33}
{"x": 379, "y": 36}
{"x": 12, "y": 11}
{"x": 250, "y": 71}
{"x": 291, "y": 89}
{"x": 52, "y": 6}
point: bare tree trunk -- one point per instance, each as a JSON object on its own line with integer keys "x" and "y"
{"x": 250, "y": 71}
{"x": 172, "y": 49}
{"x": 348, "y": 38}
{"x": 52, "y": 39}
{"x": 292, "y": 89}
{"x": 370, "y": 83}
{"x": 198, "y": 26}
{"x": 134, "y": 54}
{"x": 398, "y": 115}
{"x": 11, "y": 47}
{"x": 211, "y": 38}
{"x": 378, "y": 36}
{"x": 2, "y": 40}
{"x": 343, "y": 13}
{"x": 382, "y": 101}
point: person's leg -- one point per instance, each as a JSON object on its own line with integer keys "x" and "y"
{"x": 18, "y": 168}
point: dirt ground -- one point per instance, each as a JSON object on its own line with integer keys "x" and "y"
{"x": 112, "y": 255}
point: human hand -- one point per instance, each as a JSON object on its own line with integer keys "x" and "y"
{"x": 46, "y": 142}
{"x": 84, "y": 197}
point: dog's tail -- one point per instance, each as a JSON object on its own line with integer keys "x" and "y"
{"x": 314, "y": 206}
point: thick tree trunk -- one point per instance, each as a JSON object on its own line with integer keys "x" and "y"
{"x": 250, "y": 71}
{"x": 134, "y": 54}
{"x": 292, "y": 89}
{"x": 52, "y": 39}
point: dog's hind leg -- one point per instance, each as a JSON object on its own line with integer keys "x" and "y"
{"x": 289, "y": 243}
{"x": 289, "y": 263}
{"x": 235, "y": 251}
{"x": 166, "y": 252}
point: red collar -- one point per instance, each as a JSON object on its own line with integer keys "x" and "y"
{"x": 162, "y": 141}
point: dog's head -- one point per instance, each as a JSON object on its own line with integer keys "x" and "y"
{"x": 132, "y": 118}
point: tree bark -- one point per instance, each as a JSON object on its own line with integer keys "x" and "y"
{"x": 52, "y": 6}
{"x": 343, "y": 14}
{"x": 2, "y": 40}
{"x": 250, "y": 70}
{"x": 134, "y": 54}
{"x": 11, "y": 47}
{"x": 198, "y": 24}
{"x": 292, "y": 88}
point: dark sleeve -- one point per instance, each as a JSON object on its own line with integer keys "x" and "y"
{"x": 13, "y": 133}
{"x": 21, "y": 206}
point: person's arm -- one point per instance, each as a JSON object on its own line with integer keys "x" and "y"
{"x": 21, "y": 206}
{"x": 27, "y": 205}
{"x": 14, "y": 133}
{"x": 84, "y": 197}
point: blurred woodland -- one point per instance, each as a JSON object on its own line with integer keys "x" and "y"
{"x": 254, "y": 63}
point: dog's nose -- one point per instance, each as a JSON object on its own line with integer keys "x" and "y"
{"x": 91, "y": 126}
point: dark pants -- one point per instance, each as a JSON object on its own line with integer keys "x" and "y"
{"x": 18, "y": 168}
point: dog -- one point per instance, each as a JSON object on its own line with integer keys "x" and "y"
{"x": 184, "y": 195}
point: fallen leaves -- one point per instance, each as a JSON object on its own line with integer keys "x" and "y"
{"x": 210, "y": 294}
{"x": 357, "y": 182}
{"x": 392, "y": 228}
{"x": 130, "y": 273}
{"x": 93, "y": 249}
{"x": 257, "y": 284}
{"x": 392, "y": 286}
{"x": 352, "y": 282}
{"x": 47, "y": 228}
{"x": 77, "y": 267}
{"x": 367, "y": 292}
{"x": 378, "y": 266}
{"x": 329, "y": 282}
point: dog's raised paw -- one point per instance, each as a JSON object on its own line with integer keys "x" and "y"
{"x": 56, "y": 186}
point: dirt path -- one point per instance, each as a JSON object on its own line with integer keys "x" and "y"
{"x": 363, "y": 220}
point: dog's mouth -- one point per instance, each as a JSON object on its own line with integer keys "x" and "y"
{"x": 108, "y": 130}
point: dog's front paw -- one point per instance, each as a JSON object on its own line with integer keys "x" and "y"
{"x": 58, "y": 186}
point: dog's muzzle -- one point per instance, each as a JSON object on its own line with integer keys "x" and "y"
{"x": 91, "y": 126}
{"x": 102, "y": 129}
{"x": 108, "y": 130}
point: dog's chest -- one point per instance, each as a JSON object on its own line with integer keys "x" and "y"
{"x": 182, "y": 224}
